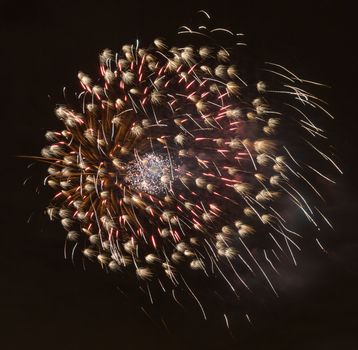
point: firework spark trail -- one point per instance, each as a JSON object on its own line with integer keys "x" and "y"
{"x": 179, "y": 160}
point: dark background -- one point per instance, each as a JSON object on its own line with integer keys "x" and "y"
{"x": 46, "y": 302}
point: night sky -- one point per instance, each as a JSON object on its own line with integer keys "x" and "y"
{"x": 49, "y": 303}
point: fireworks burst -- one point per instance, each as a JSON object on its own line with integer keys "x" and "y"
{"x": 175, "y": 159}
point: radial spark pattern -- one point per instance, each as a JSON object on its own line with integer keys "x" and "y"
{"x": 175, "y": 159}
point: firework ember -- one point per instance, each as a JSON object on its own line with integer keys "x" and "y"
{"x": 151, "y": 174}
{"x": 176, "y": 159}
